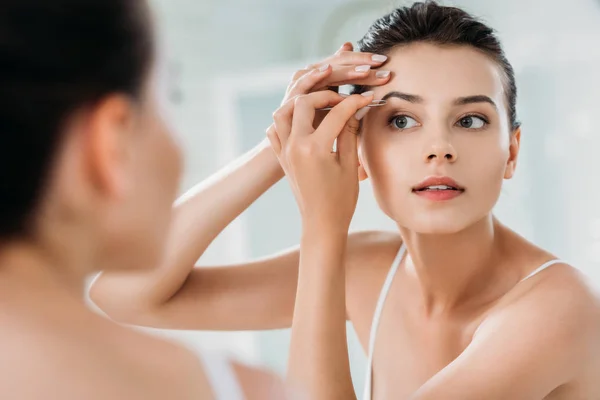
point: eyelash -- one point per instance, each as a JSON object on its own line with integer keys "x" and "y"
{"x": 486, "y": 121}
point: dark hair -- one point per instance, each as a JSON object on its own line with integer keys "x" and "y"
{"x": 432, "y": 23}
{"x": 56, "y": 57}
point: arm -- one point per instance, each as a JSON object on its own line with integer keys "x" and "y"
{"x": 525, "y": 350}
{"x": 318, "y": 349}
{"x": 326, "y": 188}
{"x": 175, "y": 294}
{"x": 178, "y": 296}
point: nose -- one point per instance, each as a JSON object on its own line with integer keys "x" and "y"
{"x": 440, "y": 149}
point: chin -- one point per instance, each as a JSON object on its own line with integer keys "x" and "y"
{"x": 436, "y": 223}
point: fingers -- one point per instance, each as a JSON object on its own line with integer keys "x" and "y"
{"x": 359, "y": 58}
{"x": 344, "y": 116}
{"x": 304, "y": 109}
{"x": 284, "y": 116}
{"x": 349, "y": 75}
{"x": 282, "y": 121}
{"x": 307, "y": 82}
{"x": 343, "y": 57}
{"x": 274, "y": 139}
{"x": 300, "y": 73}
{"x": 347, "y": 144}
{"x": 342, "y": 123}
{"x": 329, "y": 76}
{"x": 346, "y": 47}
{"x": 347, "y": 56}
{"x": 349, "y": 67}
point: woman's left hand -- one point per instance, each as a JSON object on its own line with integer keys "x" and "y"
{"x": 325, "y": 183}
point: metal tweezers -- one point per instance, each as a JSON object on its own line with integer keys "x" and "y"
{"x": 374, "y": 103}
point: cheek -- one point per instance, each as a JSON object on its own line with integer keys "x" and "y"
{"x": 167, "y": 161}
{"x": 158, "y": 176}
{"x": 489, "y": 153}
{"x": 387, "y": 158}
{"x": 159, "y": 169}
{"x": 483, "y": 167}
{"x": 165, "y": 157}
{"x": 388, "y": 163}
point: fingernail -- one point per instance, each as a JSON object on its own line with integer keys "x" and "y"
{"x": 344, "y": 94}
{"x": 367, "y": 94}
{"x": 362, "y": 68}
{"x": 361, "y": 113}
{"x": 382, "y": 74}
{"x": 323, "y": 67}
{"x": 378, "y": 58}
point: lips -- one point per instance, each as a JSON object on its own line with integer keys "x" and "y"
{"x": 438, "y": 183}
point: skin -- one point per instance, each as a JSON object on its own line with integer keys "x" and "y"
{"x": 106, "y": 207}
{"x": 457, "y": 324}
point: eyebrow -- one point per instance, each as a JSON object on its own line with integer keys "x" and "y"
{"x": 411, "y": 98}
{"x": 461, "y": 101}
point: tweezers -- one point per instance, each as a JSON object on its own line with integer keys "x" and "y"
{"x": 374, "y": 103}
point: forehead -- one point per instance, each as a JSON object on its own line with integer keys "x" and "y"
{"x": 442, "y": 73}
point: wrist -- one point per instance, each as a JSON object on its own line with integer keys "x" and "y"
{"x": 324, "y": 230}
{"x": 271, "y": 163}
{"x": 322, "y": 255}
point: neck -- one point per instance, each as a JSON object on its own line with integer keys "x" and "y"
{"x": 36, "y": 268}
{"x": 456, "y": 270}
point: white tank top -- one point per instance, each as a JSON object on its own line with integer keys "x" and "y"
{"x": 381, "y": 301}
{"x": 221, "y": 377}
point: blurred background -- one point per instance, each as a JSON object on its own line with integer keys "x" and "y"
{"x": 229, "y": 61}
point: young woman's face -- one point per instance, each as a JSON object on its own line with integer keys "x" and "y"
{"x": 446, "y": 119}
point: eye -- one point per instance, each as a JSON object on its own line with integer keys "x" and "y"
{"x": 403, "y": 122}
{"x": 472, "y": 122}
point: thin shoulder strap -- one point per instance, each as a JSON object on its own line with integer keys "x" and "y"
{"x": 377, "y": 316}
{"x": 221, "y": 377}
{"x": 543, "y": 267}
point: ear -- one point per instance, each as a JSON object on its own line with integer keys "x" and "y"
{"x": 109, "y": 145}
{"x": 511, "y": 163}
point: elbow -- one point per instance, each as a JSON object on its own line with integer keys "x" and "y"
{"x": 115, "y": 307}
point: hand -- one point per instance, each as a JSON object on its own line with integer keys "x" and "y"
{"x": 325, "y": 183}
{"x": 342, "y": 68}
{"x": 337, "y": 70}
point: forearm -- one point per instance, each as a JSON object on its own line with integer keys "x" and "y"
{"x": 318, "y": 353}
{"x": 198, "y": 218}
{"x": 206, "y": 210}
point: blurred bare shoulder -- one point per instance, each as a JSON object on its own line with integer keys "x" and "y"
{"x": 96, "y": 360}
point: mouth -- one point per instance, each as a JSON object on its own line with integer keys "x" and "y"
{"x": 438, "y": 188}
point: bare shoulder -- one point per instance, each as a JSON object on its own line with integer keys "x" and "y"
{"x": 562, "y": 288}
{"x": 184, "y": 372}
{"x": 561, "y": 308}
{"x": 98, "y": 361}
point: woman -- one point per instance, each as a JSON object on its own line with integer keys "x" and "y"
{"x": 454, "y": 305}
{"x": 88, "y": 173}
